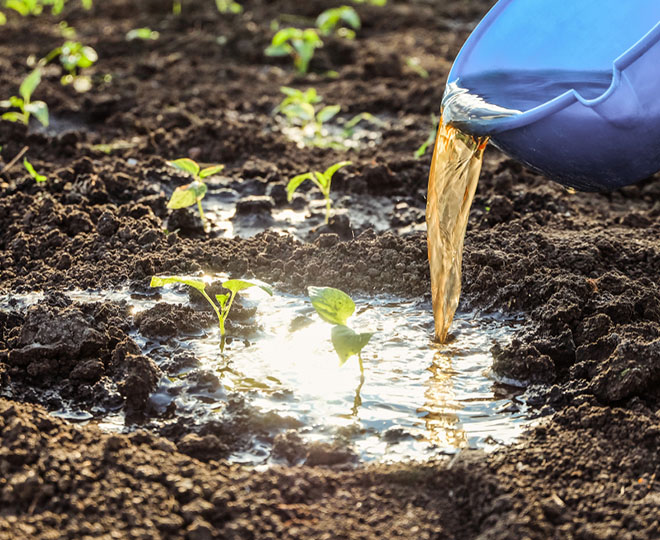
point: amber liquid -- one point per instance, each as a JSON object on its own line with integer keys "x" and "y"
{"x": 453, "y": 179}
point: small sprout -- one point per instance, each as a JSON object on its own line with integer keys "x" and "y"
{"x": 330, "y": 20}
{"x": 297, "y": 43}
{"x": 68, "y": 32}
{"x": 224, "y": 301}
{"x": 335, "y": 307}
{"x": 144, "y": 34}
{"x": 299, "y": 109}
{"x": 34, "y": 174}
{"x": 349, "y": 127}
{"x": 430, "y": 139}
{"x": 185, "y": 196}
{"x": 27, "y": 107}
{"x": 228, "y": 6}
{"x": 322, "y": 180}
{"x": 73, "y": 57}
{"x": 372, "y": 2}
{"x": 3, "y": 18}
{"x": 416, "y": 66}
{"x": 176, "y": 7}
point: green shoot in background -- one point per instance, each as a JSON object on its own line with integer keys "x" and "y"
{"x": 430, "y": 139}
{"x": 193, "y": 193}
{"x": 73, "y": 57}
{"x": 299, "y": 109}
{"x": 32, "y": 172}
{"x": 335, "y": 307}
{"x": 224, "y": 301}
{"x": 331, "y": 19}
{"x": 228, "y": 6}
{"x": 297, "y": 43}
{"x": 145, "y": 34}
{"x": 322, "y": 180}
{"x": 36, "y": 7}
{"x": 27, "y": 107}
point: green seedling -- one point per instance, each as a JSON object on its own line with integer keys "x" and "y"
{"x": 27, "y": 107}
{"x": 322, "y": 180}
{"x": 145, "y": 34}
{"x": 297, "y": 43}
{"x": 430, "y": 140}
{"x": 185, "y": 196}
{"x": 371, "y": 2}
{"x": 32, "y": 172}
{"x": 414, "y": 64}
{"x": 299, "y": 109}
{"x": 224, "y": 301}
{"x": 349, "y": 127}
{"x": 335, "y": 307}
{"x": 330, "y": 21}
{"x": 296, "y": 99}
{"x": 73, "y": 57}
{"x": 36, "y": 7}
{"x": 228, "y": 6}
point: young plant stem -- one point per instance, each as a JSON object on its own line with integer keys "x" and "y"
{"x": 357, "y": 401}
{"x": 201, "y": 213}
{"x": 221, "y": 322}
{"x": 361, "y": 365}
{"x": 327, "y": 209}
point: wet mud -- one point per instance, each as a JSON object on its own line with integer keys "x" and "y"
{"x": 581, "y": 268}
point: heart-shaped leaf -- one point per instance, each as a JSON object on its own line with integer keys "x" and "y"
{"x": 237, "y": 285}
{"x": 186, "y": 165}
{"x": 348, "y": 343}
{"x": 191, "y": 282}
{"x": 332, "y": 305}
{"x": 185, "y": 196}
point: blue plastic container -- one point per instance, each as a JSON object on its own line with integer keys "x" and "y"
{"x": 570, "y": 88}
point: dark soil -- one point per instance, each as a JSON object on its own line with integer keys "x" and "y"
{"x": 583, "y": 268}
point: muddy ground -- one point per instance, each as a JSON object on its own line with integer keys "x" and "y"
{"x": 583, "y": 268}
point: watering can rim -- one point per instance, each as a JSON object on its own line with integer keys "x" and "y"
{"x": 562, "y": 101}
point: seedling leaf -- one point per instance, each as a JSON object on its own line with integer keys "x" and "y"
{"x": 284, "y": 35}
{"x": 34, "y": 174}
{"x": 142, "y": 33}
{"x": 332, "y": 305}
{"x": 295, "y": 182}
{"x": 330, "y": 171}
{"x": 222, "y": 300}
{"x": 191, "y": 282}
{"x": 40, "y": 111}
{"x": 29, "y": 85}
{"x": 12, "y": 117}
{"x": 237, "y": 285}
{"x": 210, "y": 171}
{"x": 186, "y": 165}
{"x": 185, "y": 196}
{"x": 327, "y": 113}
{"x": 348, "y": 343}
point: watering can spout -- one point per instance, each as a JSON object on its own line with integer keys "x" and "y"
{"x": 570, "y": 89}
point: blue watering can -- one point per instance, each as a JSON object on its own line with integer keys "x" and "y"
{"x": 570, "y": 88}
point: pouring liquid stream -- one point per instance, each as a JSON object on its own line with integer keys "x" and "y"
{"x": 455, "y": 168}
{"x": 476, "y": 104}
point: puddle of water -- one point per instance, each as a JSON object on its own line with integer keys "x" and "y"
{"x": 220, "y": 208}
{"x": 418, "y": 398}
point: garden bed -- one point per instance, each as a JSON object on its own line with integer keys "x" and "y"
{"x": 82, "y": 336}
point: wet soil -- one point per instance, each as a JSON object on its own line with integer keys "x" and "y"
{"x": 583, "y": 268}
